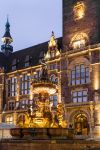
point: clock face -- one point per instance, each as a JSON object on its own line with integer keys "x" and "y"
{"x": 79, "y": 10}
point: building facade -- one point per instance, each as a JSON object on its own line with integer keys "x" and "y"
{"x": 73, "y": 64}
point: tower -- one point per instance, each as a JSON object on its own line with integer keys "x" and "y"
{"x": 81, "y": 64}
{"x": 6, "y": 48}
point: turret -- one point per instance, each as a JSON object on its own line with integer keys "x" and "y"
{"x": 6, "y": 48}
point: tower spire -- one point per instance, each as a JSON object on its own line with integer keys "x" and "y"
{"x": 7, "y": 39}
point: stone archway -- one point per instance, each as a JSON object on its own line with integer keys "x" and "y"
{"x": 80, "y": 122}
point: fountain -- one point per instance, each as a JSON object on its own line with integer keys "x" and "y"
{"x": 42, "y": 120}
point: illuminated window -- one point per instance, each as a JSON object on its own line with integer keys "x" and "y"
{"x": 23, "y": 104}
{"x": 24, "y": 84}
{"x": 12, "y": 86}
{"x": 79, "y": 41}
{"x": 80, "y": 75}
{"x": 9, "y": 120}
{"x": 80, "y": 96}
{"x": 53, "y": 100}
{"x": 79, "y": 11}
{"x": 54, "y": 79}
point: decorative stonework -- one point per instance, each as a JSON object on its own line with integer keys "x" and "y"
{"x": 79, "y": 10}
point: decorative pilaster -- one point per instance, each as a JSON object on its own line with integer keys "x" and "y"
{"x": 97, "y": 120}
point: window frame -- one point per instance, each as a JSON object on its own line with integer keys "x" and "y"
{"x": 80, "y": 76}
{"x": 77, "y": 98}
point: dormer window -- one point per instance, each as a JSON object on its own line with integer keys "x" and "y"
{"x": 27, "y": 61}
{"x": 14, "y": 65}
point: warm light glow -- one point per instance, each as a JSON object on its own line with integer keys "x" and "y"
{"x": 79, "y": 11}
{"x": 79, "y": 40}
{"x": 79, "y": 44}
{"x": 53, "y": 42}
{"x": 96, "y": 80}
{"x": 46, "y": 88}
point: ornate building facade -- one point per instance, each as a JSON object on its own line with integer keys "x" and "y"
{"x": 73, "y": 64}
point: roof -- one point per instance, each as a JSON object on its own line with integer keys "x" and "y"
{"x": 2, "y": 60}
{"x": 34, "y": 52}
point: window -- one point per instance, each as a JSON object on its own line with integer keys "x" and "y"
{"x": 17, "y": 105}
{"x": 12, "y": 86}
{"x": 14, "y": 65}
{"x": 23, "y": 104}
{"x": 80, "y": 96}
{"x": 27, "y": 61}
{"x": 79, "y": 41}
{"x": 11, "y": 106}
{"x": 25, "y": 84}
{"x": 53, "y": 66}
{"x": 79, "y": 44}
{"x": 80, "y": 75}
{"x": 54, "y": 79}
{"x": 53, "y": 100}
{"x": 9, "y": 120}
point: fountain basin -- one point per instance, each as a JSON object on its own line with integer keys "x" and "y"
{"x": 41, "y": 133}
{"x": 44, "y": 87}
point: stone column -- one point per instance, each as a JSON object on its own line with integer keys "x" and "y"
{"x": 97, "y": 120}
{"x": 91, "y": 120}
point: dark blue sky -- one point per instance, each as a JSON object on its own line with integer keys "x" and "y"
{"x": 32, "y": 21}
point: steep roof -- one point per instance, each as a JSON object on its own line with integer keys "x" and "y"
{"x": 34, "y": 52}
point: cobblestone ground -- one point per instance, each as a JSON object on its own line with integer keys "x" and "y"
{"x": 49, "y": 145}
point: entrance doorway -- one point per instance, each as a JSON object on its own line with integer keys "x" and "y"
{"x": 81, "y": 125}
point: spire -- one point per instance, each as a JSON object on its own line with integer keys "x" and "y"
{"x": 7, "y": 39}
{"x": 53, "y": 43}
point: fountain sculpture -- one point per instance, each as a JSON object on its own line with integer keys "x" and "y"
{"x": 42, "y": 119}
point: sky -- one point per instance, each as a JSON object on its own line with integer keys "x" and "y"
{"x": 32, "y": 21}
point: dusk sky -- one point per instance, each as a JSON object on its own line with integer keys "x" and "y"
{"x": 32, "y": 21}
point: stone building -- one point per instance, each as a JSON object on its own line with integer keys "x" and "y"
{"x": 73, "y": 64}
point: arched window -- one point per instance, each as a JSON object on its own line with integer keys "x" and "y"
{"x": 53, "y": 78}
{"x": 79, "y": 75}
{"x": 79, "y": 41}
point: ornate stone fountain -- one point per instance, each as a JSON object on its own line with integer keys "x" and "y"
{"x": 42, "y": 120}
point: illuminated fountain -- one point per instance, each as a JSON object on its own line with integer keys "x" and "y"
{"x": 42, "y": 119}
